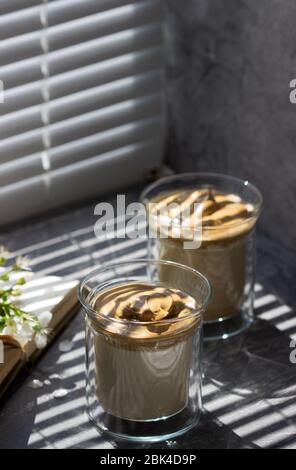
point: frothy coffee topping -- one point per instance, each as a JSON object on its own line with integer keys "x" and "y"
{"x": 143, "y": 305}
{"x": 216, "y": 213}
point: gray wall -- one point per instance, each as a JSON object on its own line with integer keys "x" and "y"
{"x": 230, "y": 66}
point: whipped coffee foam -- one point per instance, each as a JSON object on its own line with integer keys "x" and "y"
{"x": 144, "y": 302}
{"x": 225, "y": 220}
{"x": 142, "y": 372}
{"x": 220, "y": 215}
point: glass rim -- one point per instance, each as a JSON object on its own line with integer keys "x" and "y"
{"x": 95, "y": 315}
{"x": 191, "y": 176}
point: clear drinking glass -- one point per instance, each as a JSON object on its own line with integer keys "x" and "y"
{"x": 225, "y": 253}
{"x": 139, "y": 386}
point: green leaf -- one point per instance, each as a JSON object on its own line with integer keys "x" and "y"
{"x": 16, "y": 292}
{"x": 2, "y": 261}
{"x": 16, "y": 267}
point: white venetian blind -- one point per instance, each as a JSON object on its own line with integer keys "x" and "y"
{"x": 83, "y": 109}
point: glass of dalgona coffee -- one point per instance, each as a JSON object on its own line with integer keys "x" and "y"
{"x": 207, "y": 222}
{"x": 144, "y": 347}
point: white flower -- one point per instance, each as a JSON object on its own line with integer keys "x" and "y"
{"x": 44, "y": 319}
{"x": 9, "y": 330}
{"x": 23, "y": 330}
{"x": 40, "y": 340}
{"x": 20, "y": 329}
{"x": 23, "y": 261}
{"x": 4, "y": 253}
{"x": 25, "y": 333}
{"x": 12, "y": 327}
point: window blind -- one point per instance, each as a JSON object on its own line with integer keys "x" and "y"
{"x": 83, "y": 109}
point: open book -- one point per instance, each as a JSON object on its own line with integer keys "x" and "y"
{"x": 38, "y": 295}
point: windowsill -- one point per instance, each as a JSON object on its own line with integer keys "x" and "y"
{"x": 276, "y": 265}
{"x": 263, "y": 348}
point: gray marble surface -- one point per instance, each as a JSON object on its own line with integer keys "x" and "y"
{"x": 229, "y": 71}
{"x": 249, "y": 386}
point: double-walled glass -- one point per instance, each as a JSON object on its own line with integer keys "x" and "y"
{"x": 141, "y": 387}
{"x": 225, "y": 253}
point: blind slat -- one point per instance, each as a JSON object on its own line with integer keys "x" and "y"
{"x": 83, "y": 78}
{"x": 62, "y": 11}
{"x": 105, "y": 95}
{"x": 20, "y": 122}
{"x": 16, "y": 21}
{"x": 83, "y": 107}
{"x": 137, "y": 160}
{"x": 78, "y": 31}
{"x": 77, "y": 151}
{"x": 21, "y": 145}
{"x": 81, "y": 103}
{"x": 79, "y": 127}
{"x": 104, "y": 119}
{"x": 49, "y": 190}
{"x": 19, "y": 170}
{"x": 103, "y": 24}
{"x": 9, "y": 6}
{"x": 81, "y": 149}
{"x": 141, "y": 38}
{"x": 20, "y": 22}
{"x": 148, "y": 128}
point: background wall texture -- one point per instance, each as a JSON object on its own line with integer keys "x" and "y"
{"x": 230, "y": 67}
